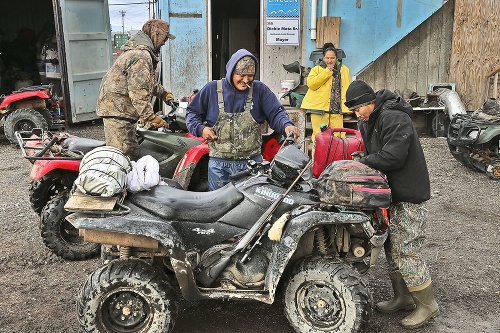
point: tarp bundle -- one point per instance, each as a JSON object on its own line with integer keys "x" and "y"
{"x": 103, "y": 172}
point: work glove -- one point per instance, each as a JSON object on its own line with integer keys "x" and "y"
{"x": 168, "y": 98}
{"x": 155, "y": 121}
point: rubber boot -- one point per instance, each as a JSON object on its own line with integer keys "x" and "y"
{"x": 402, "y": 299}
{"x": 427, "y": 308}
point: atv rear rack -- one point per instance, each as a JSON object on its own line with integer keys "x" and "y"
{"x": 44, "y": 145}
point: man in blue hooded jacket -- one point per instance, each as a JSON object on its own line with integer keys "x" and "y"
{"x": 228, "y": 113}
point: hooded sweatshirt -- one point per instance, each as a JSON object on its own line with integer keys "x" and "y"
{"x": 129, "y": 84}
{"x": 393, "y": 147}
{"x": 204, "y": 109}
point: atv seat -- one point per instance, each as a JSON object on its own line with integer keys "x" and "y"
{"x": 82, "y": 145}
{"x": 174, "y": 204}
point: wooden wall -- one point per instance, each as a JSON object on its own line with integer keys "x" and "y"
{"x": 475, "y": 49}
{"x": 419, "y": 59}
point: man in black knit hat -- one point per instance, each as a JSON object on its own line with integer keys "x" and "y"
{"x": 393, "y": 147}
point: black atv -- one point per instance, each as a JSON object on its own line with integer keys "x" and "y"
{"x": 473, "y": 139}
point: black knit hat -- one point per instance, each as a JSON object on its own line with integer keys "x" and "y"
{"x": 359, "y": 94}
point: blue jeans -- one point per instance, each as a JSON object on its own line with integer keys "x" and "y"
{"x": 220, "y": 169}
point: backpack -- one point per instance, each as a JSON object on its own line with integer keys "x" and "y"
{"x": 353, "y": 184}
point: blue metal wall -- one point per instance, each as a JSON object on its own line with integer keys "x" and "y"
{"x": 369, "y": 31}
{"x": 186, "y": 57}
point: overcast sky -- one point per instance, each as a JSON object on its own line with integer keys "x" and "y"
{"x": 136, "y": 12}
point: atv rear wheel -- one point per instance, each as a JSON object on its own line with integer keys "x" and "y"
{"x": 48, "y": 117}
{"x": 324, "y": 295}
{"x": 125, "y": 296}
{"x": 44, "y": 189}
{"x": 60, "y": 236}
{"x": 23, "y": 120}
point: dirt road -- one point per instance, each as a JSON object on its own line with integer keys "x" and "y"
{"x": 38, "y": 289}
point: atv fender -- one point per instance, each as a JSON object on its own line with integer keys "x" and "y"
{"x": 488, "y": 134}
{"x": 43, "y": 167}
{"x": 184, "y": 171}
{"x": 303, "y": 220}
{"x": 149, "y": 227}
{"x": 43, "y": 94}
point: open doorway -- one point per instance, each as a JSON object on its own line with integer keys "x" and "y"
{"x": 235, "y": 25}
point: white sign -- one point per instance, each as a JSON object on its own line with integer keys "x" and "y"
{"x": 282, "y": 31}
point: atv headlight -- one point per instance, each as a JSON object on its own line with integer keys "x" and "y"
{"x": 473, "y": 134}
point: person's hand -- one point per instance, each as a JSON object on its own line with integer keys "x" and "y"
{"x": 168, "y": 97}
{"x": 209, "y": 134}
{"x": 155, "y": 121}
{"x": 292, "y": 130}
{"x": 356, "y": 156}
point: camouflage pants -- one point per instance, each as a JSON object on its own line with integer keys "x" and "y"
{"x": 406, "y": 236}
{"x": 120, "y": 134}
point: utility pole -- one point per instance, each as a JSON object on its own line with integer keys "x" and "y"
{"x": 151, "y": 10}
{"x": 123, "y": 21}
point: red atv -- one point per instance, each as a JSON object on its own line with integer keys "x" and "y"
{"x": 56, "y": 161}
{"x": 28, "y": 108}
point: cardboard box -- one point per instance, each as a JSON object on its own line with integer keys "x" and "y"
{"x": 53, "y": 71}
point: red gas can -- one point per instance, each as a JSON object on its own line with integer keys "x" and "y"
{"x": 329, "y": 148}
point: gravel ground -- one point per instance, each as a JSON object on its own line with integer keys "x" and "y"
{"x": 38, "y": 289}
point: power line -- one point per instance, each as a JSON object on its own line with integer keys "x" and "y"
{"x": 130, "y": 3}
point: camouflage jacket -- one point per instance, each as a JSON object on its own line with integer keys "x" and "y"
{"x": 127, "y": 88}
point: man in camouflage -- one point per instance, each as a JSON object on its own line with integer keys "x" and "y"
{"x": 228, "y": 114}
{"x": 127, "y": 88}
{"x": 393, "y": 147}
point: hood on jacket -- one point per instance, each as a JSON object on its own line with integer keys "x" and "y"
{"x": 139, "y": 41}
{"x": 386, "y": 99}
{"x": 232, "y": 63}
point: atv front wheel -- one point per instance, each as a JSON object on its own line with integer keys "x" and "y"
{"x": 125, "y": 296}
{"x": 23, "y": 120}
{"x": 60, "y": 236}
{"x": 44, "y": 189}
{"x": 324, "y": 295}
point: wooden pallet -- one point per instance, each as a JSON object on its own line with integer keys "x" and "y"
{"x": 79, "y": 201}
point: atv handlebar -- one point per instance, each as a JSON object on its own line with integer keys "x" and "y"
{"x": 173, "y": 103}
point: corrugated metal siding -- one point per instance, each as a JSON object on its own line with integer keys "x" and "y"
{"x": 475, "y": 49}
{"x": 418, "y": 60}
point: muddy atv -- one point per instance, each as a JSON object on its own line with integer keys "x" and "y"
{"x": 473, "y": 139}
{"x": 28, "y": 108}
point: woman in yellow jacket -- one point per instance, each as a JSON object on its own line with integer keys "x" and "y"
{"x": 327, "y": 82}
